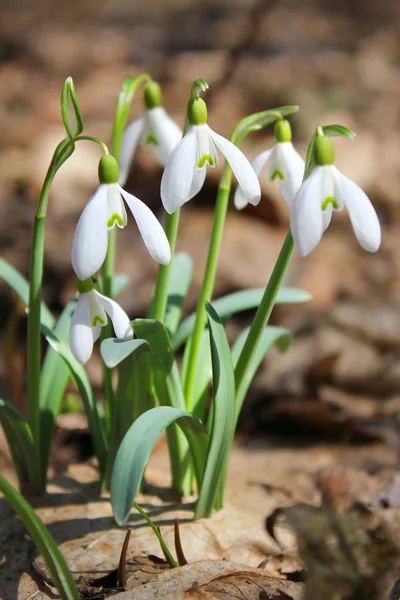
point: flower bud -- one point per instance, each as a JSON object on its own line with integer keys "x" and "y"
{"x": 84, "y": 286}
{"x": 197, "y": 111}
{"x": 152, "y": 95}
{"x": 283, "y": 131}
{"x": 108, "y": 169}
{"x": 324, "y": 150}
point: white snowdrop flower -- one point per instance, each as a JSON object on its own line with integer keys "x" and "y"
{"x": 185, "y": 171}
{"x": 286, "y": 164}
{"x": 324, "y": 191}
{"x": 103, "y": 211}
{"x": 154, "y": 129}
{"x": 90, "y": 316}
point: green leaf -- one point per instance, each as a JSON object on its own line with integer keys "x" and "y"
{"x": 53, "y": 382}
{"x": 223, "y": 424}
{"x": 168, "y": 389}
{"x": 237, "y": 302}
{"x": 70, "y": 111}
{"x": 21, "y": 286}
{"x": 20, "y": 441}
{"x": 260, "y": 120}
{"x": 83, "y": 384}
{"x": 203, "y": 374}
{"x": 280, "y": 337}
{"x": 180, "y": 278}
{"x": 137, "y": 446}
{"x": 115, "y": 350}
{"x": 44, "y": 541}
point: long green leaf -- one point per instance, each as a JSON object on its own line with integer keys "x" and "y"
{"x": 180, "y": 278}
{"x": 137, "y": 446}
{"x": 223, "y": 423}
{"x": 21, "y": 286}
{"x": 168, "y": 390}
{"x": 44, "y": 541}
{"x": 115, "y": 350}
{"x": 20, "y": 441}
{"x": 83, "y": 384}
{"x": 280, "y": 337}
{"x": 237, "y": 302}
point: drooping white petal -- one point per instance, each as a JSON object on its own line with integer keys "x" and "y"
{"x": 361, "y": 212}
{"x": 97, "y": 314}
{"x": 178, "y": 174}
{"x": 293, "y": 171}
{"x": 150, "y": 229}
{"x": 89, "y": 247}
{"x": 80, "y": 333}
{"x": 257, "y": 163}
{"x": 96, "y": 332}
{"x": 327, "y": 216}
{"x": 199, "y": 176}
{"x": 161, "y": 133}
{"x": 118, "y": 316}
{"x": 242, "y": 169}
{"x": 306, "y": 220}
{"x": 129, "y": 143}
{"x": 206, "y": 152}
{"x": 116, "y": 213}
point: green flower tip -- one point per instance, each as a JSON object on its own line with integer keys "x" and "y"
{"x": 84, "y": 286}
{"x": 152, "y": 95}
{"x": 197, "y": 111}
{"x": 283, "y": 131}
{"x": 324, "y": 150}
{"x": 108, "y": 169}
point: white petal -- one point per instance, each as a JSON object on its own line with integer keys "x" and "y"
{"x": 206, "y": 152}
{"x": 257, "y": 163}
{"x": 162, "y": 129}
{"x": 293, "y": 171}
{"x": 89, "y": 247}
{"x": 242, "y": 169}
{"x": 129, "y": 143}
{"x": 327, "y": 216}
{"x": 96, "y": 332}
{"x": 150, "y": 229}
{"x": 118, "y": 316}
{"x": 199, "y": 176}
{"x": 177, "y": 178}
{"x": 97, "y": 314}
{"x": 306, "y": 219}
{"x": 116, "y": 213}
{"x": 80, "y": 333}
{"x": 362, "y": 214}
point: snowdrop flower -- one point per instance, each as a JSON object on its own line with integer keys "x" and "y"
{"x": 324, "y": 191}
{"x": 154, "y": 128}
{"x": 286, "y": 164}
{"x": 103, "y": 211}
{"x": 185, "y": 171}
{"x": 90, "y": 316}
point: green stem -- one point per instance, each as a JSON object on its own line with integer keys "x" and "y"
{"x": 168, "y": 556}
{"x": 62, "y": 152}
{"x": 160, "y": 297}
{"x": 263, "y": 314}
{"x": 193, "y": 346}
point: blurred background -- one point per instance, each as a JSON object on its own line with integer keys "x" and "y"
{"x": 339, "y": 61}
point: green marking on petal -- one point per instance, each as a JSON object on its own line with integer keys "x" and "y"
{"x": 277, "y": 173}
{"x": 206, "y": 158}
{"x": 115, "y": 219}
{"x": 330, "y": 200}
{"x": 96, "y": 320}
{"x": 151, "y": 140}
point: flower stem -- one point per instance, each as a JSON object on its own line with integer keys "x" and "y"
{"x": 263, "y": 314}
{"x": 160, "y": 298}
{"x": 62, "y": 152}
{"x": 193, "y": 346}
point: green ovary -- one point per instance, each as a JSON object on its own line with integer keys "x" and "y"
{"x": 277, "y": 173}
{"x": 206, "y": 158}
{"x": 151, "y": 140}
{"x": 96, "y": 320}
{"x": 115, "y": 219}
{"x": 330, "y": 200}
